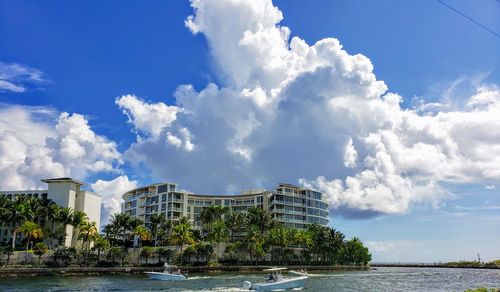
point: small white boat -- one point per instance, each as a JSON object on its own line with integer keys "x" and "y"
{"x": 298, "y": 273}
{"x": 276, "y": 281}
{"x": 168, "y": 274}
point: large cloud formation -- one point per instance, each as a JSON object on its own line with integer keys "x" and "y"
{"x": 287, "y": 110}
{"x": 33, "y": 146}
{"x": 39, "y": 142}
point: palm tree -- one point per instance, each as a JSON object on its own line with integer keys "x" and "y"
{"x": 40, "y": 249}
{"x": 66, "y": 218}
{"x": 254, "y": 242}
{"x": 218, "y": 232}
{"x": 209, "y": 214}
{"x": 260, "y": 218}
{"x": 52, "y": 216}
{"x": 111, "y": 232}
{"x": 164, "y": 231}
{"x": 304, "y": 239}
{"x": 30, "y": 229}
{"x": 29, "y": 209}
{"x": 15, "y": 216}
{"x": 182, "y": 235}
{"x": 156, "y": 220}
{"x": 142, "y": 233}
{"x": 147, "y": 252}
{"x": 79, "y": 220}
{"x": 122, "y": 221}
{"x": 87, "y": 235}
{"x": 234, "y": 221}
{"x": 100, "y": 244}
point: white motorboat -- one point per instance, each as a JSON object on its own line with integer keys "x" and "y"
{"x": 170, "y": 273}
{"x": 276, "y": 281}
{"x": 298, "y": 273}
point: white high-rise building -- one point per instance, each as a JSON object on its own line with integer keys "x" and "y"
{"x": 65, "y": 192}
{"x": 294, "y": 206}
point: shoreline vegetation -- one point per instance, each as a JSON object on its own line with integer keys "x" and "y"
{"x": 224, "y": 239}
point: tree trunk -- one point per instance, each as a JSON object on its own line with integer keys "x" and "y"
{"x": 51, "y": 243}
{"x": 14, "y": 237}
{"x": 27, "y": 246}
{"x": 181, "y": 253}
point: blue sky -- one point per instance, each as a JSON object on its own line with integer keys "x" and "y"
{"x": 79, "y": 57}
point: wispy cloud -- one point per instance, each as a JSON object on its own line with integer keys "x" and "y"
{"x": 17, "y": 77}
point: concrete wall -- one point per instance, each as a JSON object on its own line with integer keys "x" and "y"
{"x": 89, "y": 203}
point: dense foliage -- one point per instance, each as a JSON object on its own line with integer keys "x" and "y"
{"x": 238, "y": 238}
{"x": 224, "y": 238}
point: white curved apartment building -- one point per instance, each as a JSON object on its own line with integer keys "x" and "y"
{"x": 291, "y": 205}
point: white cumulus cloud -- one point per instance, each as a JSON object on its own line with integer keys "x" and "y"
{"x": 285, "y": 109}
{"x": 149, "y": 119}
{"x": 111, "y": 192}
{"x": 33, "y": 146}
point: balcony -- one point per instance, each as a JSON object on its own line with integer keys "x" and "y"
{"x": 291, "y": 220}
{"x": 283, "y": 202}
{"x": 174, "y": 209}
{"x": 283, "y": 211}
{"x": 176, "y": 200}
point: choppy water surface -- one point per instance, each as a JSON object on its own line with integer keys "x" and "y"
{"x": 381, "y": 279}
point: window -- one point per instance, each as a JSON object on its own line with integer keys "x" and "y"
{"x": 163, "y": 189}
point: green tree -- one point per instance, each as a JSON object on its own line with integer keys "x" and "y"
{"x": 164, "y": 253}
{"x": 142, "y": 233}
{"x": 305, "y": 241}
{"x": 254, "y": 242}
{"x": 164, "y": 232}
{"x": 355, "y": 253}
{"x": 147, "y": 252}
{"x": 52, "y": 216}
{"x": 100, "y": 244}
{"x": 66, "y": 218}
{"x": 40, "y": 249}
{"x": 156, "y": 220}
{"x": 88, "y": 233}
{"x": 234, "y": 222}
{"x": 260, "y": 218}
{"x": 7, "y": 250}
{"x": 218, "y": 232}
{"x": 182, "y": 235}
{"x": 117, "y": 252}
{"x": 122, "y": 221}
{"x": 30, "y": 230}
{"x": 111, "y": 232}
{"x": 79, "y": 219}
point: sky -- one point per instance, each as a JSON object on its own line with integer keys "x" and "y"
{"x": 391, "y": 108}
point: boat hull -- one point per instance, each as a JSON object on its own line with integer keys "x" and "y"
{"x": 290, "y": 283}
{"x": 165, "y": 276}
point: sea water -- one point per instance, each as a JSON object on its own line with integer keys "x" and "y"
{"x": 379, "y": 279}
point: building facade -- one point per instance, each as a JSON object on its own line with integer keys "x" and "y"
{"x": 65, "y": 192}
{"x": 291, "y": 205}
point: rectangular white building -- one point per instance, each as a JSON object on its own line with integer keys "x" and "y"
{"x": 65, "y": 192}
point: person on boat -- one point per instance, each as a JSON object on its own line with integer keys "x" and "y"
{"x": 270, "y": 278}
